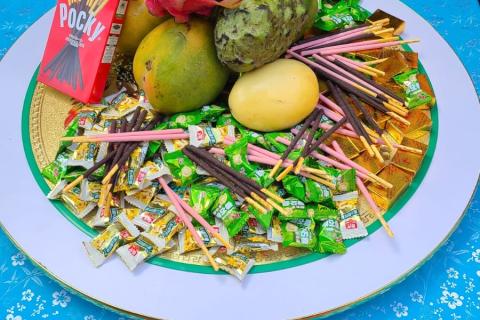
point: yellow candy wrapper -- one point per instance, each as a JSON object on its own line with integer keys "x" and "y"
{"x": 236, "y": 264}
{"x": 186, "y": 242}
{"x": 155, "y": 209}
{"x": 106, "y": 243}
{"x": 351, "y": 226}
{"x": 142, "y": 249}
{"x": 209, "y": 136}
{"x": 73, "y": 202}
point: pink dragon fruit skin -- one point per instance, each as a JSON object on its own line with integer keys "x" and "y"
{"x": 182, "y": 9}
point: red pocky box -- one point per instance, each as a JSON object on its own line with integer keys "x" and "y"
{"x": 81, "y": 46}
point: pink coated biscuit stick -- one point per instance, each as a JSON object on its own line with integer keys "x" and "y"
{"x": 151, "y": 137}
{"x": 335, "y": 37}
{"x": 348, "y": 74}
{"x": 335, "y": 115}
{"x": 328, "y": 71}
{"x": 202, "y": 221}
{"x": 334, "y": 50}
{"x": 231, "y": 140}
{"x": 353, "y": 44}
{"x": 183, "y": 216}
{"x": 326, "y": 159}
{"x": 368, "y": 197}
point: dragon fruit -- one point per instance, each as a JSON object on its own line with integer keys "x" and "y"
{"x": 182, "y": 9}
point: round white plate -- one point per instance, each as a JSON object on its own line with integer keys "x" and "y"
{"x": 315, "y": 288}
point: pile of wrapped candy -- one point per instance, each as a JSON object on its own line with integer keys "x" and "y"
{"x": 139, "y": 220}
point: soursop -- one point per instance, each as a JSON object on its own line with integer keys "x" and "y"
{"x": 258, "y": 32}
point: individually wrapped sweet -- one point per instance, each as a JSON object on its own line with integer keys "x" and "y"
{"x": 87, "y": 116}
{"x": 154, "y": 210}
{"x": 57, "y": 190}
{"x": 296, "y": 209}
{"x": 185, "y": 119}
{"x": 225, "y": 209}
{"x": 55, "y": 171}
{"x": 176, "y": 144}
{"x": 342, "y": 14}
{"x": 299, "y": 233}
{"x": 253, "y": 226}
{"x": 90, "y": 190}
{"x": 294, "y": 186}
{"x": 264, "y": 219}
{"x": 345, "y": 181}
{"x": 136, "y": 160}
{"x": 236, "y": 264}
{"x": 135, "y": 253}
{"x": 414, "y": 95}
{"x": 204, "y": 136}
{"x": 250, "y": 243}
{"x": 224, "y": 203}
{"x": 151, "y": 170}
{"x": 317, "y": 192}
{"x": 202, "y": 198}
{"x": 142, "y": 198}
{"x": 237, "y": 156}
{"x": 186, "y": 242}
{"x": 83, "y": 155}
{"x": 351, "y": 226}
{"x": 330, "y": 238}
{"x": 273, "y": 144}
{"x": 261, "y": 176}
{"x": 274, "y": 233}
{"x": 76, "y": 205}
{"x": 166, "y": 226}
{"x": 106, "y": 243}
{"x": 121, "y": 106}
{"x": 183, "y": 170}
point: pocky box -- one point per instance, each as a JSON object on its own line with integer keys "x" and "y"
{"x": 81, "y": 46}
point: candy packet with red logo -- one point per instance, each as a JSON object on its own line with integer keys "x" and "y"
{"x": 351, "y": 226}
{"x": 201, "y": 136}
{"x": 106, "y": 243}
{"x": 81, "y": 46}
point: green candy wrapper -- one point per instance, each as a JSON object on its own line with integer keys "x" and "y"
{"x": 414, "y": 95}
{"x": 71, "y": 131}
{"x": 227, "y": 119}
{"x": 299, "y": 233}
{"x": 295, "y": 187}
{"x": 202, "y": 198}
{"x": 297, "y": 209}
{"x": 261, "y": 177}
{"x": 330, "y": 238}
{"x": 185, "y": 119}
{"x": 272, "y": 143}
{"x": 55, "y": 171}
{"x": 317, "y": 192}
{"x": 237, "y": 155}
{"x": 182, "y": 168}
{"x": 225, "y": 209}
{"x": 342, "y": 14}
{"x": 345, "y": 181}
{"x": 307, "y": 190}
{"x": 154, "y": 146}
{"x": 263, "y": 218}
{"x": 234, "y": 221}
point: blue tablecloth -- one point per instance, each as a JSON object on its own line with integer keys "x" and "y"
{"x": 446, "y": 287}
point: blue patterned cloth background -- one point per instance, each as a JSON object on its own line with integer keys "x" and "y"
{"x": 447, "y": 287}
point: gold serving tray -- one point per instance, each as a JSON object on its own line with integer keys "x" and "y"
{"x": 49, "y": 109}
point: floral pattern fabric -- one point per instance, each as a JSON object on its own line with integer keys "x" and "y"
{"x": 445, "y": 288}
